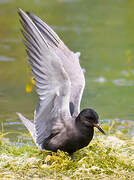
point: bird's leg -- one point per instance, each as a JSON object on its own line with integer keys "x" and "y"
{"x": 72, "y": 156}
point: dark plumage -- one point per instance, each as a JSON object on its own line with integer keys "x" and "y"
{"x": 77, "y": 135}
{"x": 58, "y": 122}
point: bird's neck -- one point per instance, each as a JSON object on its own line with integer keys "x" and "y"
{"x": 83, "y": 128}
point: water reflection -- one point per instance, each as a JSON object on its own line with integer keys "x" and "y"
{"x": 100, "y": 80}
{"x": 4, "y": 58}
{"x": 123, "y": 82}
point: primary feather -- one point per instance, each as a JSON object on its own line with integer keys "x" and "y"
{"x": 69, "y": 59}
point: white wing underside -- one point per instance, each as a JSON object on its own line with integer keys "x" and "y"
{"x": 58, "y": 76}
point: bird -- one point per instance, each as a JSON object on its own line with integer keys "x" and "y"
{"x": 58, "y": 122}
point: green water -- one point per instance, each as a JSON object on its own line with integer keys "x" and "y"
{"x": 103, "y": 31}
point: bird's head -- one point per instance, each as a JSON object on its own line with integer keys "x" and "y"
{"x": 90, "y": 118}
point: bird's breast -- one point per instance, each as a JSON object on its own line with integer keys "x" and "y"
{"x": 75, "y": 140}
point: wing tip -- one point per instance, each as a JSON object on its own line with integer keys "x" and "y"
{"x": 20, "y": 115}
{"x": 20, "y": 11}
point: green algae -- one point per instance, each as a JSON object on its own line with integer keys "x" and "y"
{"x": 106, "y": 157}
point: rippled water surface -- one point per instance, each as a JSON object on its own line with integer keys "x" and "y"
{"x": 103, "y": 31}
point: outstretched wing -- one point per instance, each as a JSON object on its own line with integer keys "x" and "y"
{"x": 52, "y": 81}
{"x": 70, "y": 62}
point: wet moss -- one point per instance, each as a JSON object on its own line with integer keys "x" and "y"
{"x": 106, "y": 157}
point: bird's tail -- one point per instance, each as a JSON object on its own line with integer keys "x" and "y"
{"x": 29, "y": 125}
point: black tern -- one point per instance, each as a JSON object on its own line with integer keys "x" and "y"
{"x": 58, "y": 122}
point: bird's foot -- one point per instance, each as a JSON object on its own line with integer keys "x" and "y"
{"x": 72, "y": 156}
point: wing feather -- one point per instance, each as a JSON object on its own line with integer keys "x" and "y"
{"x": 70, "y": 62}
{"x": 52, "y": 81}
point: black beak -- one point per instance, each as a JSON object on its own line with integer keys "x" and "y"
{"x": 100, "y": 128}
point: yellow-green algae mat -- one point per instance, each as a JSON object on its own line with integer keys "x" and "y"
{"x": 108, "y": 157}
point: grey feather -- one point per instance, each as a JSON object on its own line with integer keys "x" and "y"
{"x": 29, "y": 125}
{"x": 70, "y": 61}
{"x": 47, "y": 32}
{"x": 52, "y": 81}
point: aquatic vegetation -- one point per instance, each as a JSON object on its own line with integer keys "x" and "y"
{"x": 31, "y": 83}
{"x": 28, "y": 87}
{"x": 109, "y": 157}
